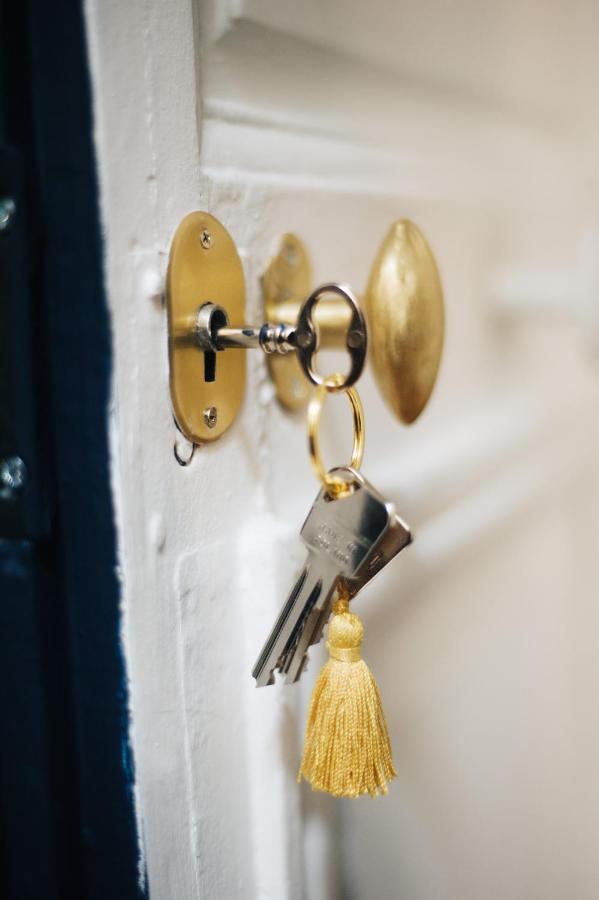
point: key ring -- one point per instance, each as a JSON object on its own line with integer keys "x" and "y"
{"x": 335, "y": 485}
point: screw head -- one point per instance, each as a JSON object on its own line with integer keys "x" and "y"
{"x": 7, "y": 212}
{"x": 13, "y": 474}
{"x": 211, "y": 416}
{"x": 206, "y": 239}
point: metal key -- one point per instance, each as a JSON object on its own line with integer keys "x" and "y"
{"x": 394, "y": 538}
{"x": 350, "y": 536}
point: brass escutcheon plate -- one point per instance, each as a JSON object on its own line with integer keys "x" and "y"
{"x": 285, "y": 285}
{"x": 204, "y": 266}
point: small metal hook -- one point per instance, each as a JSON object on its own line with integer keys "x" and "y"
{"x": 180, "y": 459}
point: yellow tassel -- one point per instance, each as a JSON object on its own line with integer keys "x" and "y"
{"x": 347, "y": 751}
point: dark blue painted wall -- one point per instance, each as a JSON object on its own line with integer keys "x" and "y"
{"x": 67, "y": 822}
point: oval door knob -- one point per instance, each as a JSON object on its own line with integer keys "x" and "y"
{"x": 404, "y": 310}
{"x": 403, "y": 304}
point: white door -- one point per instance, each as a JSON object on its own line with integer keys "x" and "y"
{"x": 477, "y": 120}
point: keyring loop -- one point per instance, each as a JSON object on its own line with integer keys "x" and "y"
{"x": 314, "y": 413}
{"x": 184, "y": 461}
{"x": 355, "y": 339}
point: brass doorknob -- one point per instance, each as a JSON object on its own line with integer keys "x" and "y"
{"x": 403, "y": 307}
{"x": 403, "y": 304}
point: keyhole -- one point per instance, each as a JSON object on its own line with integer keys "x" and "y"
{"x": 218, "y": 319}
{"x": 209, "y": 365}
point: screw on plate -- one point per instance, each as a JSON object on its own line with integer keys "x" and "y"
{"x": 210, "y": 416}
{"x": 206, "y": 239}
{"x": 7, "y": 212}
{"x": 12, "y": 477}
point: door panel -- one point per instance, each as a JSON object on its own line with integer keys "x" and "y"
{"x": 319, "y": 119}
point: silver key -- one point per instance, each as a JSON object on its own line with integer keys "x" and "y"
{"x": 351, "y": 536}
{"x": 394, "y": 538}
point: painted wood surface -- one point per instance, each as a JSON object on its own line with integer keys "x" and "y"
{"x": 320, "y": 120}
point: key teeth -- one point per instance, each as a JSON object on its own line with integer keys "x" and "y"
{"x": 288, "y": 679}
{"x": 301, "y": 669}
{"x": 259, "y": 683}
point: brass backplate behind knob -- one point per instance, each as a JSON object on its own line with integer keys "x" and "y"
{"x": 204, "y": 267}
{"x": 406, "y": 323}
{"x": 285, "y": 285}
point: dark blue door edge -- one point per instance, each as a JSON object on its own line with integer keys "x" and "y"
{"x": 67, "y": 816}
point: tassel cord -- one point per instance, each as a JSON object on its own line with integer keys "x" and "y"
{"x": 347, "y": 751}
